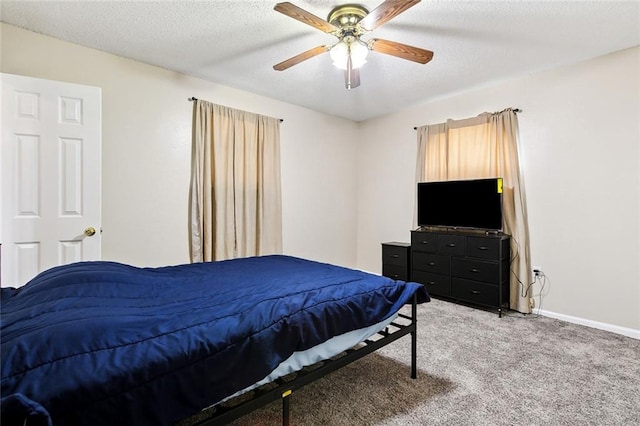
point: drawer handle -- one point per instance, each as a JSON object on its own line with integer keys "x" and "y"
{"x": 474, "y": 292}
{"x": 395, "y": 276}
{"x": 431, "y": 264}
{"x": 395, "y": 256}
{"x": 451, "y": 245}
{"x": 483, "y": 248}
{"x": 425, "y": 242}
{"x": 431, "y": 283}
{"x": 474, "y": 270}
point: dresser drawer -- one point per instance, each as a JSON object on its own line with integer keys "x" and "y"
{"x": 484, "y": 248}
{"x": 424, "y": 241}
{"x": 397, "y": 272}
{"x": 451, "y": 245}
{"x": 439, "y": 285}
{"x": 475, "y": 292}
{"x": 430, "y": 263}
{"x": 477, "y": 270}
{"x": 395, "y": 255}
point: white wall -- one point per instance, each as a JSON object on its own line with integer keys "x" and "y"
{"x": 147, "y": 153}
{"x": 580, "y": 154}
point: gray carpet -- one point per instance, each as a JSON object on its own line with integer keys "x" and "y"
{"x": 477, "y": 369}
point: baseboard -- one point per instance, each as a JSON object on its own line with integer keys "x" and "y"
{"x": 625, "y": 331}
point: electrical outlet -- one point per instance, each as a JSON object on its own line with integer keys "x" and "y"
{"x": 532, "y": 303}
{"x": 537, "y": 271}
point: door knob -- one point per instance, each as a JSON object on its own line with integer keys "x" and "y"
{"x": 90, "y": 231}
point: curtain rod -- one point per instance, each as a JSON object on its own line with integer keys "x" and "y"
{"x": 193, "y": 98}
{"x": 516, "y": 110}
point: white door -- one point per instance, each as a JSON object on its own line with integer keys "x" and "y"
{"x": 50, "y": 178}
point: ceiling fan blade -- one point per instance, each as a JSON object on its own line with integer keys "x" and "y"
{"x": 308, "y": 54}
{"x": 388, "y": 10}
{"x": 305, "y": 17}
{"x": 351, "y": 76}
{"x": 400, "y": 50}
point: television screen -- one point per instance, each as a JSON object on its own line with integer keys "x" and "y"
{"x": 461, "y": 203}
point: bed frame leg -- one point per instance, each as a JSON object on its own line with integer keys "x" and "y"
{"x": 285, "y": 408}
{"x": 414, "y": 337}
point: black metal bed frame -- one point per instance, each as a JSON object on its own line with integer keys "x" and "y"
{"x": 282, "y": 389}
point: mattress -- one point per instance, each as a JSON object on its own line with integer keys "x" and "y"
{"x": 85, "y": 342}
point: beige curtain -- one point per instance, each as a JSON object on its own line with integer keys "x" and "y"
{"x": 235, "y": 201}
{"x": 484, "y": 147}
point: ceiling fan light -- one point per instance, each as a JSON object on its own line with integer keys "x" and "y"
{"x": 359, "y": 54}
{"x": 340, "y": 53}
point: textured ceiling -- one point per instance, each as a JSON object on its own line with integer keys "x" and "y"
{"x": 236, "y": 43}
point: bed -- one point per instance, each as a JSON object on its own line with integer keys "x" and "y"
{"x": 105, "y": 343}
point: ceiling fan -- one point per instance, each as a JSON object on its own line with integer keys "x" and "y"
{"x": 348, "y": 23}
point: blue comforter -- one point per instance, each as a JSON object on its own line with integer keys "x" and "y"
{"x": 106, "y": 343}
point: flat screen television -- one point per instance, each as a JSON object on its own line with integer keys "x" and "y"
{"x": 473, "y": 204}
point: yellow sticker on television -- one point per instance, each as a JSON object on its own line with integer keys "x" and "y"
{"x": 499, "y": 185}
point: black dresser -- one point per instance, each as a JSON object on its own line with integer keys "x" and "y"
{"x": 395, "y": 260}
{"x": 469, "y": 267}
